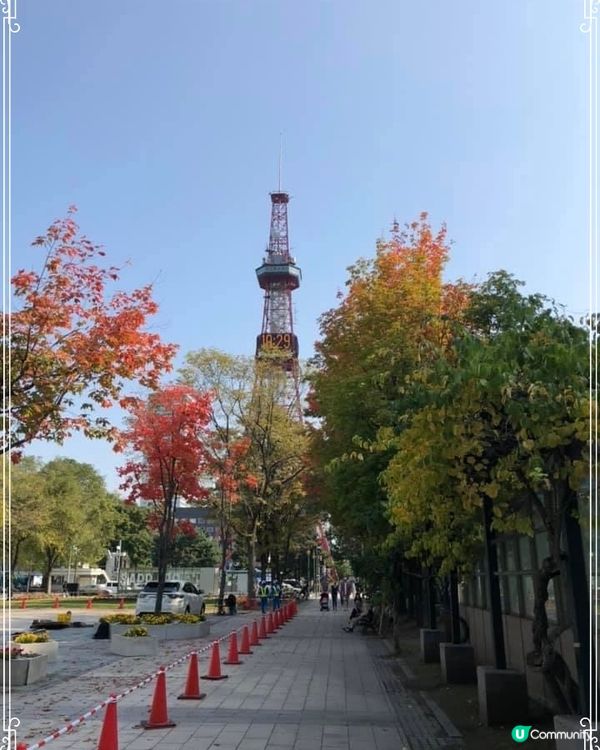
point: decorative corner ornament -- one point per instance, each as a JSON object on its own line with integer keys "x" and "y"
{"x": 590, "y": 13}
{"x": 9, "y": 741}
{"x": 589, "y": 731}
{"x": 9, "y": 10}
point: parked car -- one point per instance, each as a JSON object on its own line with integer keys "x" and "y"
{"x": 178, "y": 598}
{"x": 288, "y": 589}
{"x": 108, "y": 590}
{"x": 293, "y": 582}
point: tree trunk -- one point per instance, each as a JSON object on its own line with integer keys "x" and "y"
{"x": 251, "y": 551}
{"x": 16, "y": 546}
{"x": 223, "y": 573}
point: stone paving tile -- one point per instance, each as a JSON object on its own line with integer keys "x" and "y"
{"x": 310, "y": 687}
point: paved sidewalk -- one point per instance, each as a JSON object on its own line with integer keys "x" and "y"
{"x": 310, "y": 686}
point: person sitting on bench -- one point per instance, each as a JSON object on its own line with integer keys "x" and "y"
{"x": 367, "y": 620}
{"x": 354, "y": 615}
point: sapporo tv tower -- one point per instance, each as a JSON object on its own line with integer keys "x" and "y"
{"x": 279, "y": 276}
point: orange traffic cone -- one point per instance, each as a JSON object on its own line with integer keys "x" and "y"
{"x": 262, "y": 633}
{"x": 270, "y": 626}
{"x": 245, "y": 647}
{"x": 21, "y": 746}
{"x": 214, "y": 668}
{"x": 56, "y": 605}
{"x": 192, "y": 684}
{"x": 121, "y": 603}
{"x": 88, "y": 604}
{"x": 109, "y": 736}
{"x": 254, "y": 634}
{"x": 159, "y": 716}
{"x": 233, "y": 657}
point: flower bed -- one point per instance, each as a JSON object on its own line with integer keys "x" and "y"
{"x": 37, "y": 643}
{"x": 135, "y": 641}
{"x": 163, "y": 627}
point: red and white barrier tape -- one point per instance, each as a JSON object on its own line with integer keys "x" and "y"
{"x": 72, "y": 724}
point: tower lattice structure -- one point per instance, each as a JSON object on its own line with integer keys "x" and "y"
{"x": 279, "y": 276}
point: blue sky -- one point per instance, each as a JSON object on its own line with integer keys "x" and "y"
{"x": 161, "y": 122}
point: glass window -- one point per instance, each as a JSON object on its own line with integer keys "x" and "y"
{"x": 541, "y": 546}
{"x": 513, "y": 595}
{"x": 510, "y": 560}
{"x": 525, "y": 552}
{"x": 528, "y": 595}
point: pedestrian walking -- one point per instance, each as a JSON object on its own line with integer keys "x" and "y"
{"x": 344, "y": 592}
{"x": 334, "y": 595}
{"x": 263, "y": 593}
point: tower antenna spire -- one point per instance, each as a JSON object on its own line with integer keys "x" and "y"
{"x": 280, "y": 158}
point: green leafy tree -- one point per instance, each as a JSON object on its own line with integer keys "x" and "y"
{"x": 252, "y": 404}
{"x": 79, "y": 512}
{"x": 132, "y": 531}
{"x": 191, "y": 549}
{"x": 27, "y": 514}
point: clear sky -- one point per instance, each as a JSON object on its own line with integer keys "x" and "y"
{"x": 161, "y": 121}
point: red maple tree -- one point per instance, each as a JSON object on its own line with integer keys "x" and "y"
{"x": 72, "y": 346}
{"x": 166, "y": 438}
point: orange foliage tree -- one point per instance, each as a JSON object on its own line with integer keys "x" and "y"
{"x": 72, "y": 347}
{"x": 395, "y": 319}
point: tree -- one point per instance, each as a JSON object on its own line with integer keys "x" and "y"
{"x": 504, "y": 423}
{"x": 393, "y": 319}
{"x": 27, "y": 515}
{"x": 166, "y": 440}
{"x": 259, "y": 450}
{"x": 133, "y": 533}
{"x": 72, "y": 349}
{"x": 228, "y": 380}
{"x": 79, "y": 512}
{"x": 191, "y": 548}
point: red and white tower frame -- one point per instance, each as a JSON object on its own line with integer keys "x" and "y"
{"x": 279, "y": 276}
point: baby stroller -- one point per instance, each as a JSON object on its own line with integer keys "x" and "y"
{"x": 324, "y": 602}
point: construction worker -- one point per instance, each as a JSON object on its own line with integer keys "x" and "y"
{"x": 263, "y": 593}
{"x": 276, "y": 591}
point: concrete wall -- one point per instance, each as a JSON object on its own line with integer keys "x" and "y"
{"x": 518, "y": 643}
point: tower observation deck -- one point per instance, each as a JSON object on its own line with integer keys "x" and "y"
{"x": 279, "y": 276}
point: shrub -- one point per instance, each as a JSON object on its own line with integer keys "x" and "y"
{"x": 190, "y": 619}
{"x": 162, "y": 619}
{"x": 136, "y": 632}
{"x": 40, "y": 637}
{"x": 12, "y": 653}
{"x": 121, "y": 619}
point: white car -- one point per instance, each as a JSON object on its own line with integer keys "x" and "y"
{"x": 178, "y": 599}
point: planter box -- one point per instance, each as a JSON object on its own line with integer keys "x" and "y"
{"x": 171, "y": 632}
{"x": 142, "y": 646}
{"x": 502, "y": 695}
{"x": 49, "y": 649}
{"x": 26, "y": 671}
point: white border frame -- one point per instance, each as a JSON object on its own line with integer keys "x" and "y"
{"x": 9, "y": 27}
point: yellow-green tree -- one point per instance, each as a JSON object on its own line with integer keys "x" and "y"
{"x": 504, "y": 420}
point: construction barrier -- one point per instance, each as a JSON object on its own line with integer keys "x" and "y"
{"x": 159, "y": 717}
